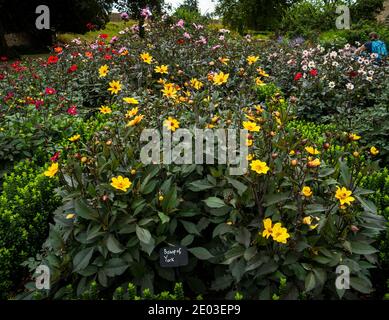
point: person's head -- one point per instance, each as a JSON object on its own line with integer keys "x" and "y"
{"x": 373, "y": 36}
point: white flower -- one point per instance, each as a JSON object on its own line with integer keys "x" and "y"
{"x": 360, "y": 60}
{"x": 369, "y": 79}
{"x": 333, "y": 54}
{"x": 335, "y": 64}
{"x": 374, "y": 56}
{"x": 331, "y": 84}
{"x": 349, "y": 86}
{"x": 304, "y": 67}
{"x": 371, "y": 73}
{"x": 362, "y": 72}
{"x": 311, "y": 64}
{"x": 367, "y": 62}
{"x": 347, "y": 46}
{"x": 77, "y": 41}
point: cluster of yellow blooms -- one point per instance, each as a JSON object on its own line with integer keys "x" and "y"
{"x": 308, "y": 221}
{"x": 146, "y": 57}
{"x": 103, "y": 71}
{"x": 171, "y": 124}
{"x": 52, "y": 170}
{"x": 75, "y": 138}
{"x": 115, "y": 87}
{"x": 259, "y": 167}
{"x": 170, "y": 90}
{"x": 105, "y": 110}
{"x": 121, "y": 183}
{"x": 344, "y": 196}
{"x": 277, "y": 232}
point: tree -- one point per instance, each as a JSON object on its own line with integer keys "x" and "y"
{"x": 366, "y": 9}
{"x": 191, "y": 5}
{"x": 252, "y": 14}
{"x": 65, "y": 16}
{"x": 134, "y": 8}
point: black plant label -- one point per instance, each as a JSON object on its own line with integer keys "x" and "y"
{"x": 173, "y": 256}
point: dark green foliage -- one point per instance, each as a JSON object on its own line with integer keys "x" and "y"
{"x": 189, "y": 15}
{"x": 379, "y": 182}
{"x": 26, "y": 203}
{"x": 366, "y": 9}
{"x": 358, "y": 33}
{"x": 252, "y": 14}
{"x": 310, "y": 18}
{"x": 307, "y": 19}
{"x": 69, "y": 15}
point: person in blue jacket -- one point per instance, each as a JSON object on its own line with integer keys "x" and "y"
{"x": 375, "y": 45}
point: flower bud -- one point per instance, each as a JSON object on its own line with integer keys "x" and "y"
{"x": 354, "y": 229}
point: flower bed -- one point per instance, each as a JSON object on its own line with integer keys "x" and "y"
{"x": 278, "y": 231}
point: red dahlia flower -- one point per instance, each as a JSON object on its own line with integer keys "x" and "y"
{"x": 72, "y": 110}
{"x": 313, "y": 72}
{"x": 50, "y": 91}
{"x": 73, "y": 68}
{"x": 52, "y": 59}
{"x": 55, "y": 157}
{"x": 298, "y": 76}
{"x": 38, "y": 104}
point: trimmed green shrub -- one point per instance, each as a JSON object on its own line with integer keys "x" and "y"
{"x": 26, "y": 202}
{"x": 311, "y": 131}
{"x": 127, "y": 291}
